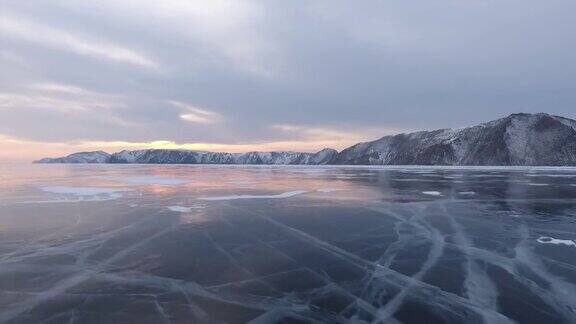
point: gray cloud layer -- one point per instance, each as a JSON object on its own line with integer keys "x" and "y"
{"x": 225, "y": 71}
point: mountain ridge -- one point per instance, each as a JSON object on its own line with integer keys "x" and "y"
{"x": 519, "y": 139}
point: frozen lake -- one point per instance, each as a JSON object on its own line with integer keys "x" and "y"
{"x": 261, "y": 244}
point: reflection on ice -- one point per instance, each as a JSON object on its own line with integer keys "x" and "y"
{"x": 151, "y": 180}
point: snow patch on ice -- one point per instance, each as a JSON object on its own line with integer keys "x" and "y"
{"x": 551, "y": 175}
{"x": 186, "y": 209}
{"x": 241, "y": 182}
{"x": 408, "y": 180}
{"x": 328, "y": 190}
{"x": 551, "y": 240}
{"x": 310, "y": 170}
{"x": 85, "y": 193}
{"x": 180, "y": 209}
{"x": 432, "y": 193}
{"x": 235, "y": 197}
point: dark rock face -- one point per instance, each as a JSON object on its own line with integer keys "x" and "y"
{"x": 519, "y": 139}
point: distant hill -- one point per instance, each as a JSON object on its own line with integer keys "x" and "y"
{"x": 516, "y": 140}
{"x": 80, "y": 157}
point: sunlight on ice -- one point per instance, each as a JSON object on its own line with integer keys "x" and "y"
{"x": 151, "y": 180}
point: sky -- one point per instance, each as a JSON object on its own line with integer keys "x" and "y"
{"x": 243, "y": 75}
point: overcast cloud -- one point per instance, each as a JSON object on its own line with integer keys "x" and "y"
{"x": 238, "y": 74}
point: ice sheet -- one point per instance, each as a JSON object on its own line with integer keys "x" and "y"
{"x": 381, "y": 253}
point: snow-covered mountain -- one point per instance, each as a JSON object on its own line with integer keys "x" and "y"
{"x": 80, "y": 157}
{"x": 160, "y": 156}
{"x": 519, "y": 139}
